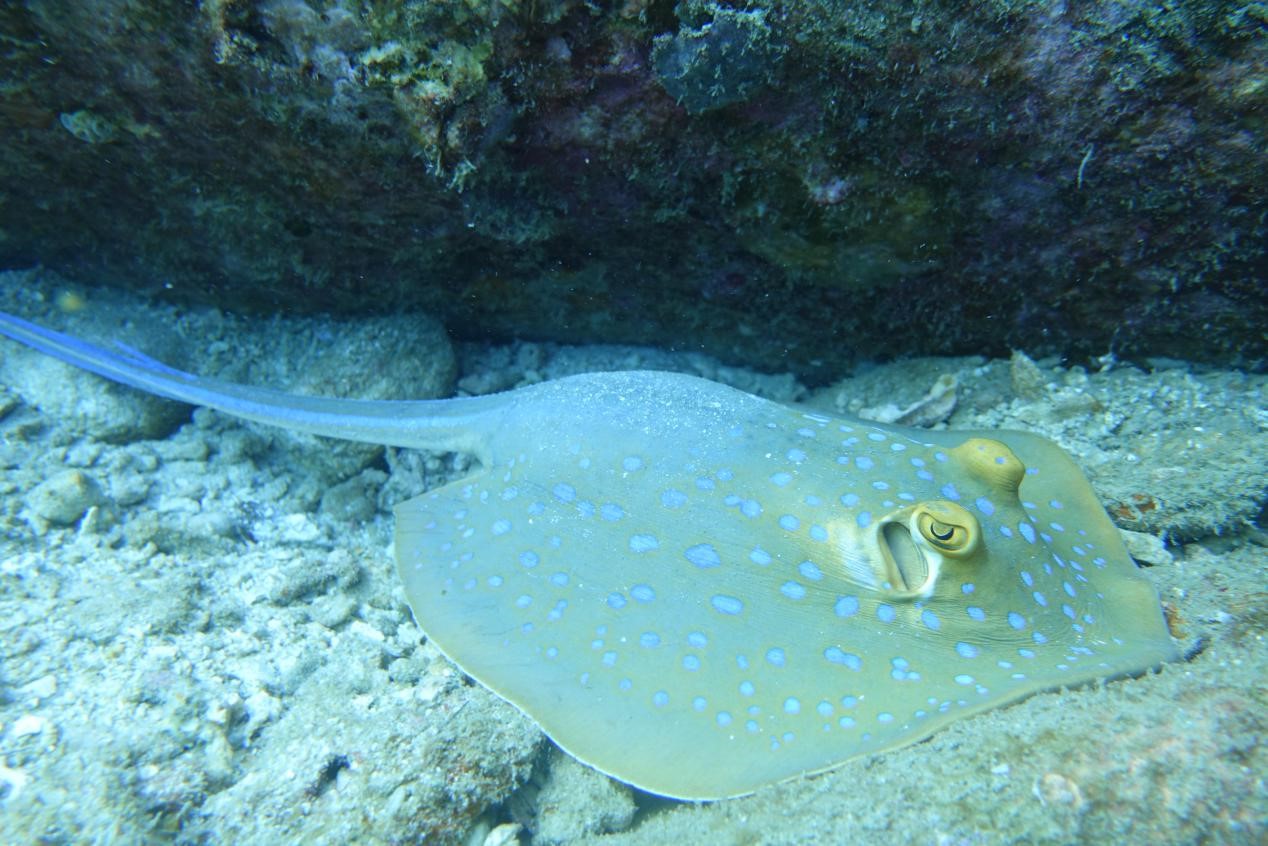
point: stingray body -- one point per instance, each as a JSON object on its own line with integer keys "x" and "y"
{"x": 701, "y": 592}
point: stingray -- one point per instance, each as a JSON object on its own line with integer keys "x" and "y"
{"x": 701, "y": 592}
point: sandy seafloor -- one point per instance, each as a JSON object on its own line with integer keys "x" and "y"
{"x": 204, "y": 640}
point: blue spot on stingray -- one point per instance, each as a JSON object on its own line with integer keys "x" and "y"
{"x": 864, "y": 519}
{"x": 975, "y": 613}
{"x": 985, "y": 506}
{"x": 846, "y": 722}
{"x": 966, "y": 650}
{"x": 616, "y": 600}
{"x": 611, "y": 511}
{"x": 810, "y": 571}
{"x": 885, "y": 613}
{"x": 949, "y": 491}
{"x": 564, "y": 492}
{"x": 864, "y": 463}
{"x": 781, "y": 479}
{"x": 836, "y": 655}
{"x": 1040, "y": 599}
{"x": 724, "y": 604}
{"x": 559, "y": 580}
{"x": 529, "y": 559}
{"x": 673, "y": 499}
{"x": 792, "y": 705}
{"x": 824, "y": 708}
{"x": 759, "y": 556}
{"x": 1016, "y": 620}
{"x": 789, "y": 523}
{"x": 699, "y": 703}
{"x": 632, "y": 463}
{"x": 724, "y": 719}
{"x": 818, "y": 532}
{"x": 690, "y": 662}
{"x": 1027, "y": 531}
{"x": 697, "y": 639}
{"x": 643, "y": 543}
{"x": 930, "y": 620}
{"x": 750, "y": 508}
{"x": 608, "y": 659}
{"x": 793, "y": 590}
{"x": 775, "y": 656}
{"x": 1027, "y": 579}
{"x": 703, "y": 555}
{"x": 850, "y": 500}
{"x": 501, "y": 527}
{"x": 796, "y": 456}
{"x": 967, "y": 588}
{"x": 847, "y": 606}
{"x": 747, "y": 689}
{"x": 660, "y": 699}
{"x": 523, "y": 601}
{"x": 643, "y": 593}
{"x": 649, "y": 640}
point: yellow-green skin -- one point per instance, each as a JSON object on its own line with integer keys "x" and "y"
{"x": 701, "y": 592}
{"x": 631, "y": 571}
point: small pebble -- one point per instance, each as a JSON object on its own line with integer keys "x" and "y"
{"x": 63, "y": 499}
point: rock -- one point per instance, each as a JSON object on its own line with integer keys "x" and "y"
{"x": 63, "y": 499}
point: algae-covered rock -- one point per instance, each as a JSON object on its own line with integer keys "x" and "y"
{"x": 794, "y": 185}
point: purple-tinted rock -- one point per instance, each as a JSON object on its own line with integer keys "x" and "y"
{"x": 792, "y": 185}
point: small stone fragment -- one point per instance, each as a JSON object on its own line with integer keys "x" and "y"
{"x": 930, "y": 410}
{"x": 63, "y": 499}
{"x": 1026, "y": 378}
{"x": 1054, "y": 789}
{"x": 577, "y": 802}
{"x": 504, "y": 834}
{"x": 1146, "y": 548}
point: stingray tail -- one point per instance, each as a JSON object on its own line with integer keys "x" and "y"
{"x": 449, "y": 424}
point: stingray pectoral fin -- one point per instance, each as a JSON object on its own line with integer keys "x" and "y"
{"x": 1064, "y": 506}
{"x": 522, "y": 612}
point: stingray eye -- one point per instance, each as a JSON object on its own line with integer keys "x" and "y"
{"x": 950, "y": 529}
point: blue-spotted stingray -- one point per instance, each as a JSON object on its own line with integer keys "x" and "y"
{"x": 701, "y": 592}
